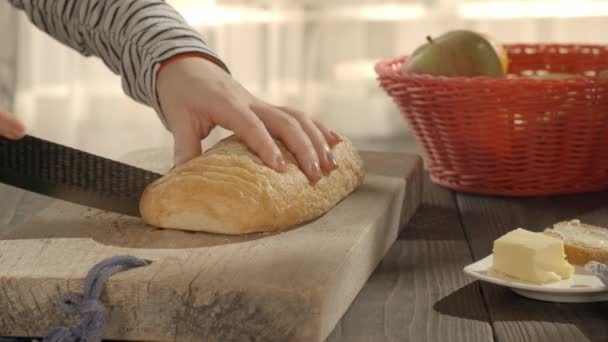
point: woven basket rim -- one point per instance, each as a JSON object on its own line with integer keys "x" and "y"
{"x": 556, "y": 45}
{"x": 387, "y": 68}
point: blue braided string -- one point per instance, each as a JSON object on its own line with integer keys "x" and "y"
{"x": 92, "y": 312}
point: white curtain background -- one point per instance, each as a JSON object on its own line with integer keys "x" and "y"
{"x": 311, "y": 54}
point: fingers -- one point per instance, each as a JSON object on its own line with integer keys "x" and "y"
{"x": 332, "y": 138}
{"x": 326, "y": 157}
{"x": 10, "y": 127}
{"x": 246, "y": 125}
{"x": 288, "y": 129}
{"x": 186, "y": 144}
{"x": 190, "y": 126}
{"x": 307, "y": 140}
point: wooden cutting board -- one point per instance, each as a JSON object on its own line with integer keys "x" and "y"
{"x": 289, "y": 286}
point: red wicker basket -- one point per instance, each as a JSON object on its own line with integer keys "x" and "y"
{"x": 512, "y": 136}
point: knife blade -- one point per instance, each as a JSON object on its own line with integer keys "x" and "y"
{"x": 65, "y": 173}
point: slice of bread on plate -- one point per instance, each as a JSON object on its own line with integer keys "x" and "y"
{"x": 582, "y": 242}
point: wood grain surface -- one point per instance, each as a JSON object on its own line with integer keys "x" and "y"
{"x": 288, "y": 286}
{"x": 516, "y": 318}
{"x": 419, "y": 292}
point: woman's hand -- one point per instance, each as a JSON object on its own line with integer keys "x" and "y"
{"x": 10, "y": 127}
{"x": 196, "y": 95}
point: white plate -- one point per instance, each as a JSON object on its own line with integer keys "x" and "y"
{"x": 582, "y": 287}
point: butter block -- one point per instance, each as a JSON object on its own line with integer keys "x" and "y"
{"x": 531, "y": 257}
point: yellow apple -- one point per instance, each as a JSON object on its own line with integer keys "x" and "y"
{"x": 500, "y": 51}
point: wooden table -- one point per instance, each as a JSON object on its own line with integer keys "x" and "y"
{"x": 419, "y": 292}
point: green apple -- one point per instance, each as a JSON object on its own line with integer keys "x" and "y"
{"x": 456, "y": 53}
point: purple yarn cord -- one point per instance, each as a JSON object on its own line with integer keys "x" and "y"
{"x": 92, "y": 312}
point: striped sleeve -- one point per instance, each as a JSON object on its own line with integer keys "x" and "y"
{"x": 132, "y": 37}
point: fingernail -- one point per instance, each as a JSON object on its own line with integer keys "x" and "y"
{"x": 280, "y": 162}
{"x": 336, "y": 136}
{"x": 314, "y": 170}
{"x": 332, "y": 160}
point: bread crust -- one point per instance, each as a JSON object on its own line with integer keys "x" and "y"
{"x": 228, "y": 190}
{"x": 579, "y": 254}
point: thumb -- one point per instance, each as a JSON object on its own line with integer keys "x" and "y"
{"x": 10, "y": 127}
{"x": 186, "y": 145}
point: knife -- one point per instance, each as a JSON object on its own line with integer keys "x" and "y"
{"x": 72, "y": 175}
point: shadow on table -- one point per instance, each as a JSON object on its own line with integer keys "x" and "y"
{"x": 433, "y": 222}
{"x": 509, "y": 308}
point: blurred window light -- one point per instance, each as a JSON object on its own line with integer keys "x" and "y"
{"x": 533, "y": 9}
{"x": 210, "y": 14}
{"x": 381, "y": 12}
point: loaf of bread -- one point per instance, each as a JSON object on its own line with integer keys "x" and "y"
{"x": 582, "y": 242}
{"x": 228, "y": 190}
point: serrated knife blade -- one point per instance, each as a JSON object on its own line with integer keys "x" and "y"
{"x": 72, "y": 175}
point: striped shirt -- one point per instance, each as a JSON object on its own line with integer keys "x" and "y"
{"x": 132, "y": 37}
